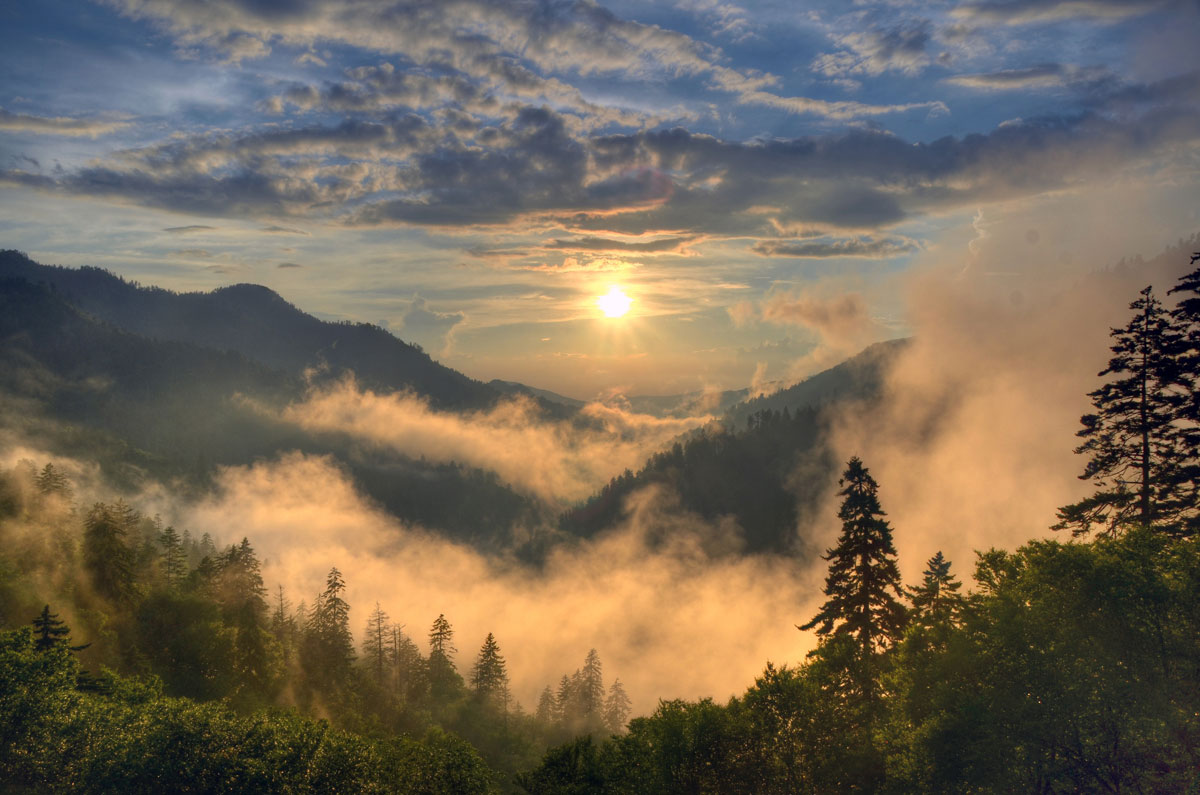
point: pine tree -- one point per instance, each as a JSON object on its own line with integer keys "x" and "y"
{"x": 442, "y": 674}
{"x": 591, "y": 690}
{"x": 328, "y": 650}
{"x": 936, "y": 599}
{"x": 545, "y": 707}
{"x": 51, "y": 481}
{"x": 863, "y": 581}
{"x": 174, "y": 558}
{"x": 50, "y": 632}
{"x": 1130, "y": 441}
{"x": 489, "y": 679}
{"x": 375, "y": 643}
{"x": 1186, "y": 315}
{"x": 106, "y": 554}
{"x": 565, "y": 709}
{"x": 616, "y": 707}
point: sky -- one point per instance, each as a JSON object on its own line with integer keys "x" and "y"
{"x": 769, "y": 182}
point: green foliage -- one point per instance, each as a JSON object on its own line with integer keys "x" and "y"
{"x": 54, "y": 738}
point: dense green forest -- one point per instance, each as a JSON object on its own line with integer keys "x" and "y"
{"x": 136, "y": 657}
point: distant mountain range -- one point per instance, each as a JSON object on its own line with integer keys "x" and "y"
{"x": 146, "y": 381}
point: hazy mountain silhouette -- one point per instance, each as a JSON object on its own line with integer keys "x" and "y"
{"x": 765, "y": 465}
{"x": 259, "y": 324}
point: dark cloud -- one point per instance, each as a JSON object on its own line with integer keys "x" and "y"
{"x": 670, "y": 184}
{"x": 187, "y": 230}
{"x": 873, "y": 52}
{"x": 59, "y": 125}
{"x": 289, "y": 265}
{"x": 867, "y": 247}
{"x": 1017, "y": 12}
{"x": 660, "y": 245}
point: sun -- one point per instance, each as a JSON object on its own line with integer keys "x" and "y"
{"x": 614, "y": 303}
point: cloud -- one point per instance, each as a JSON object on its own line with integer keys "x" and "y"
{"x": 59, "y": 125}
{"x": 873, "y": 52}
{"x": 1022, "y": 12}
{"x": 865, "y": 246}
{"x": 289, "y": 265}
{"x": 187, "y": 230}
{"x": 842, "y": 316}
{"x": 670, "y": 183}
{"x": 1049, "y": 75}
{"x": 427, "y": 328}
{"x": 972, "y": 442}
{"x": 582, "y": 265}
{"x": 672, "y": 245}
{"x": 283, "y": 230}
{"x": 557, "y": 461}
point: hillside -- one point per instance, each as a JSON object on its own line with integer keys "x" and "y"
{"x": 764, "y": 464}
{"x": 260, "y": 325}
{"x": 165, "y": 410}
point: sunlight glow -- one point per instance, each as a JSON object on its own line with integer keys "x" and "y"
{"x": 614, "y": 303}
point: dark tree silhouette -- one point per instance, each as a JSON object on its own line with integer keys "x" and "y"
{"x": 489, "y": 679}
{"x": 1130, "y": 441}
{"x": 863, "y": 584}
{"x": 936, "y": 599}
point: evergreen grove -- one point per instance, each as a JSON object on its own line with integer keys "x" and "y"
{"x": 1070, "y": 664}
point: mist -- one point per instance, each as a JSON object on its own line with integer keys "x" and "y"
{"x": 557, "y": 460}
{"x": 667, "y": 618}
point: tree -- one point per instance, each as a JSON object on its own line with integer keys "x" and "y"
{"x": 375, "y": 639}
{"x": 328, "y": 645}
{"x": 1130, "y": 440}
{"x": 863, "y": 581}
{"x": 936, "y": 599}
{"x": 106, "y": 554}
{"x": 591, "y": 691}
{"x": 50, "y": 632}
{"x": 442, "y": 675}
{"x": 1186, "y": 316}
{"x": 545, "y": 706}
{"x": 489, "y": 678}
{"x": 51, "y": 481}
{"x": 616, "y": 707}
{"x": 174, "y": 558}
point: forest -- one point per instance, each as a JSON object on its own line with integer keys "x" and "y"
{"x": 135, "y": 657}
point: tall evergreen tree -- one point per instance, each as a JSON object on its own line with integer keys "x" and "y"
{"x": 174, "y": 558}
{"x": 442, "y": 674}
{"x": 489, "y": 679}
{"x": 49, "y": 632}
{"x": 106, "y": 553}
{"x": 863, "y": 581}
{"x": 545, "y": 707}
{"x": 1131, "y": 443}
{"x": 328, "y": 650}
{"x": 936, "y": 599}
{"x": 591, "y": 690}
{"x": 616, "y": 707}
{"x": 51, "y": 481}
{"x": 376, "y": 637}
{"x": 1186, "y": 315}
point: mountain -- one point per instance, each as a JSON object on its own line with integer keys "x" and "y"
{"x": 688, "y": 404}
{"x": 260, "y": 325}
{"x": 172, "y": 411}
{"x": 765, "y": 465}
{"x": 857, "y": 378}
